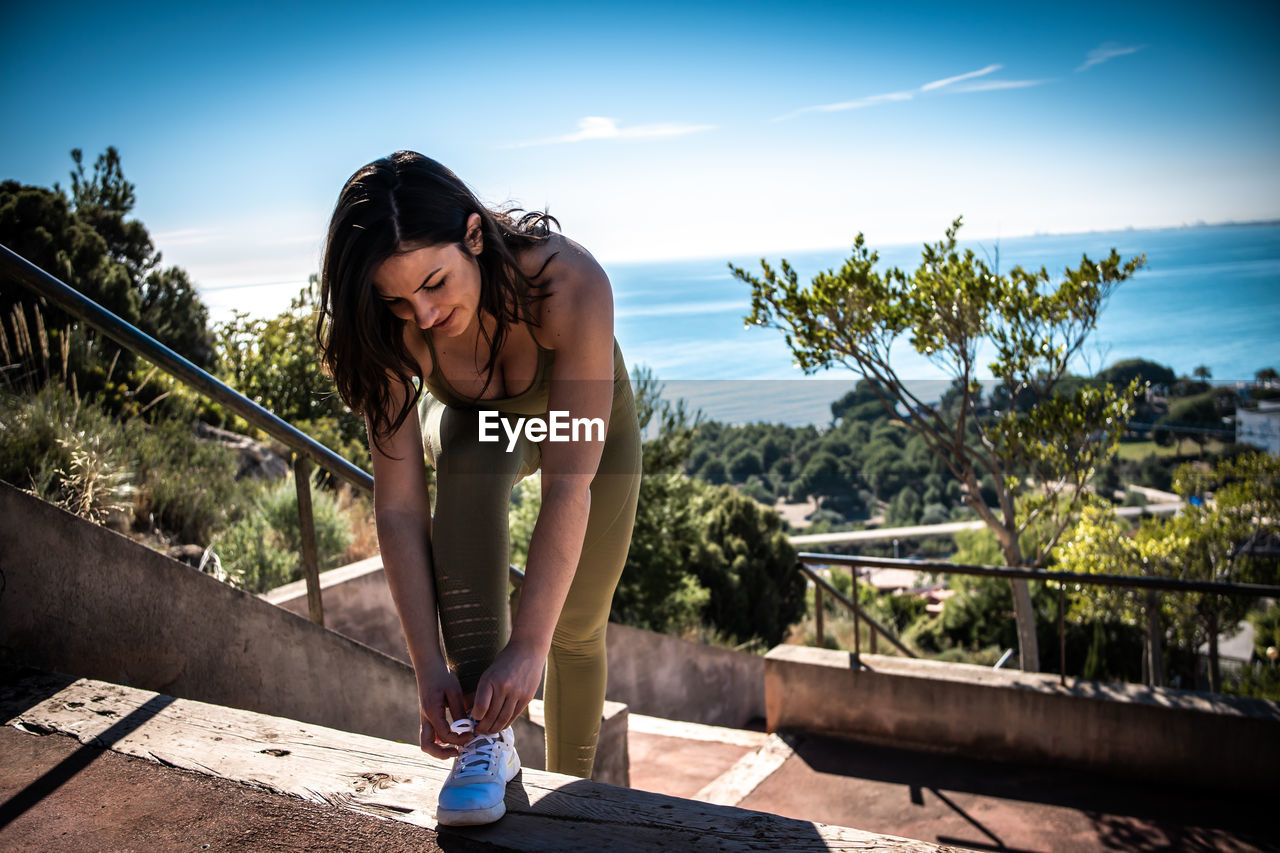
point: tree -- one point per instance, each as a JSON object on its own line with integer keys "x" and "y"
{"x": 1193, "y": 417}
{"x": 860, "y": 404}
{"x": 276, "y": 363}
{"x": 745, "y": 463}
{"x": 1218, "y": 539}
{"x": 1125, "y": 371}
{"x": 170, "y": 310}
{"x": 39, "y": 224}
{"x": 102, "y": 201}
{"x": 1266, "y": 375}
{"x": 951, "y": 304}
{"x": 85, "y": 240}
{"x": 749, "y": 567}
{"x": 701, "y": 555}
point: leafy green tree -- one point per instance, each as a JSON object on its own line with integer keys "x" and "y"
{"x": 276, "y": 363}
{"x": 1215, "y": 539}
{"x": 1266, "y": 374}
{"x": 1126, "y": 370}
{"x": 1190, "y": 417}
{"x": 744, "y": 464}
{"x": 86, "y": 240}
{"x": 951, "y": 304}
{"x": 39, "y": 225}
{"x": 749, "y": 567}
{"x": 102, "y": 201}
{"x": 714, "y": 471}
{"x": 860, "y": 404}
{"x": 170, "y": 310}
{"x": 701, "y": 555}
{"x": 822, "y": 476}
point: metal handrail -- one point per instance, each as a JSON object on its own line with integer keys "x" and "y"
{"x": 140, "y": 343}
{"x": 821, "y": 584}
{"x": 306, "y": 449}
{"x": 1151, "y": 584}
{"x": 1140, "y": 582}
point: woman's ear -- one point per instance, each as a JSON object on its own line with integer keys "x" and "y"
{"x": 475, "y": 236}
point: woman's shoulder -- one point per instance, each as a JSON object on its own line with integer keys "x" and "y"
{"x": 560, "y": 260}
{"x": 572, "y": 282}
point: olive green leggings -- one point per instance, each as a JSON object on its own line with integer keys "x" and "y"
{"x": 471, "y": 558}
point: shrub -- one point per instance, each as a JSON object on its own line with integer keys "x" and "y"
{"x": 264, "y": 549}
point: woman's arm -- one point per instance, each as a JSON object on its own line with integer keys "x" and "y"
{"x": 401, "y": 512}
{"x": 577, "y": 322}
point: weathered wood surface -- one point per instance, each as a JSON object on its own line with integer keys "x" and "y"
{"x": 546, "y": 811}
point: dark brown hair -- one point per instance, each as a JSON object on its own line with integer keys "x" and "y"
{"x": 400, "y": 203}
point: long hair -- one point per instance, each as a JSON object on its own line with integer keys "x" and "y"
{"x": 398, "y": 203}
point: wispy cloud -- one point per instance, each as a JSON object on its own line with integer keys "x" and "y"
{"x": 947, "y": 81}
{"x": 997, "y": 85}
{"x": 601, "y": 127}
{"x": 1109, "y": 50}
{"x": 185, "y": 237}
{"x": 948, "y": 84}
{"x": 856, "y": 104}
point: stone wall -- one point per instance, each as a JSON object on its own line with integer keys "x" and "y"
{"x": 1121, "y": 729}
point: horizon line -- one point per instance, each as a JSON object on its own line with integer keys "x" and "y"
{"x": 1225, "y": 223}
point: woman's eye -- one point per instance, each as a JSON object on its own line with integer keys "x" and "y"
{"x": 439, "y": 284}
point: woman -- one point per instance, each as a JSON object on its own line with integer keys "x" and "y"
{"x": 437, "y": 313}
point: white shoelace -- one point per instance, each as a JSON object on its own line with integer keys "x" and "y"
{"x": 480, "y": 754}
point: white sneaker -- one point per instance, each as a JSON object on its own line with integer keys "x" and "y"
{"x": 474, "y": 792}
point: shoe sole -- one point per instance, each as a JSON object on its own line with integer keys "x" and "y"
{"x": 470, "y": 817}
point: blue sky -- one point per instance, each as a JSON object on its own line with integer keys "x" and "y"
{"x": 655, "y": 131}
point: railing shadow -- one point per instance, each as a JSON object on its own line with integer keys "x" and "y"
{"x": 1133, "y": 814}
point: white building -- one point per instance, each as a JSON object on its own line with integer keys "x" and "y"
{"x": 1260, "y": 427}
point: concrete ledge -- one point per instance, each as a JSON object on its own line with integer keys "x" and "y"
{"x": 357, "y": 604}
{"x": 1131, "y": 730}
{"x": 613, "y": 763}
{"x": 545, "y": 811}
{"x": 665, "y": 676}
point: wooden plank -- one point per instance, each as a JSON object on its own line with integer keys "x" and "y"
{"x": 546, "y": 811}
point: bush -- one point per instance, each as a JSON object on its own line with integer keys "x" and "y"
{"x": 66, "y": 451}
{"x": 188, "y": 486}
{"x": 264, "y": 549}
{"x": 747, "y": 564}
{"x": 758, "y": 490}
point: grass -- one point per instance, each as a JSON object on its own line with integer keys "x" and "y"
{"x": 1136, "y": 451}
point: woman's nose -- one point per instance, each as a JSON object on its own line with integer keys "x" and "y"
{"x": 427, "y": 315}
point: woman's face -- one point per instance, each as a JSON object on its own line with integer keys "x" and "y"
{"x": 436, "y": 287}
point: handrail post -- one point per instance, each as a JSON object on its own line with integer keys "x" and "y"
{"x": 817, "y": 611}
{"x": 307, "y": 529}
{"x": 857, "y": 620}
{"x": 1062, "y": 634}
{"x": 873, "y": 634}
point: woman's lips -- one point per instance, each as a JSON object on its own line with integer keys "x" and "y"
{"x": 446, "y": 320}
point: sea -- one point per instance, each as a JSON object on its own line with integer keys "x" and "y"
{"x": 1207, "y": 296}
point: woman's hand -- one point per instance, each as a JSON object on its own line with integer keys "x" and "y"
{"x": 507, "y": 687}
{"x": 438, "y": 691}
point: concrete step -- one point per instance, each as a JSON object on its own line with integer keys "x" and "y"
{"x": 392, "y": 780}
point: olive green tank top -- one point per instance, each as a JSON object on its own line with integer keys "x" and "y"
{"x": 531, "y": 401}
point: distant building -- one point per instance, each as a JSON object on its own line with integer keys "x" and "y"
{"x": 1260, "y": 427}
